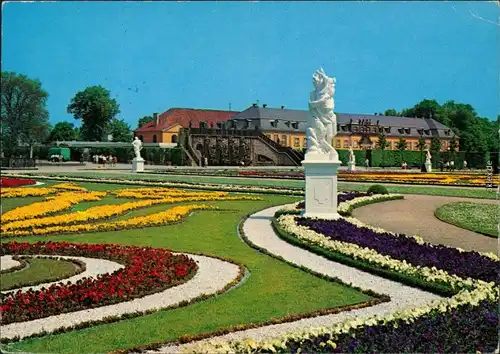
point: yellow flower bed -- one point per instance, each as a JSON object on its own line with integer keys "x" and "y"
{"x": 166, "y": 217}
{"x": 107, "y": 211}
{"x": 25, "y": 192}
{"x": 69, "y": 186}
{"x": 437, "y": 178}
{"x": 160, "y": 193}
{"x": 53, "y": 204}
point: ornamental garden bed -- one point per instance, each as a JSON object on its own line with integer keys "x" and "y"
{"x": 465, "y": 322}
{"x": 6, "y": 182}
{"x": 147, "y": 270}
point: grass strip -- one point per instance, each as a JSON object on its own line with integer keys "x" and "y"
{"x": 478, "y": 217}
{"x": 40, "y": 270}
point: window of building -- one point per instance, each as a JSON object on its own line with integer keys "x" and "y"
{"x": 295, "y": 125}
{"x": 305, "y": 143}
{"x": 154, "y": 138}
{"x": 275, "y": 138}
{"x": 284, "y": 140}
{"x": 355, "y": 143}
{"x": 337, "y": 144}
{"x": 355, "y": 128}
{"x": 415, "y": 147}
{"x": 374, "y": 129}
{"x": 296, "y": 142}
{"x": 174, "y": 139}
{"x": 346, "y": 143}
{"x": 274, "y": 123}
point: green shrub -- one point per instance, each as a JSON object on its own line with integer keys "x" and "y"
{"x": 377, "y": 189}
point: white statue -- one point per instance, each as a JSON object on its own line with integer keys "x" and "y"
{"x": 352, "y": 159}
{"x": 137, "y": 148}
{"x": 322, "y": 124}
{"x": 428, "y": 157}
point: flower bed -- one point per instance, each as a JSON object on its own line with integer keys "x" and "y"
{"x": 156, "y": 183}
{"x": 464, "y": 322}
{"x": 25, "y": 192}
{"x": 170, "y": 216}
{"x": 147, "y": 270}
{"x": 62, "y": 201}
{"x": 15, "y": 182}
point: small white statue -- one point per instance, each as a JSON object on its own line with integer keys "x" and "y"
{"x": 137, "y": 148}
{"x": 322, "y": 124}
{"x": 352, "y": 159}
{"x": 428, "y": 157}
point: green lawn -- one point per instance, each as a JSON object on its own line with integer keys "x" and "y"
{"x": 343, "y": 186}
{"x": 478, "y": 217}
{"x": 38, "y": 271}
{"x": 274, "y": 289}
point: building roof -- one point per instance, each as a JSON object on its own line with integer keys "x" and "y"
{"x": 289, "y": 120}
{"x": 183, "y": 116}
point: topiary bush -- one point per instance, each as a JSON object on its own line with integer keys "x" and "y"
{"x": 377, "y": 189}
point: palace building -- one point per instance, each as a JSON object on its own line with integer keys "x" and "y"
{"x": 287, "y": 127}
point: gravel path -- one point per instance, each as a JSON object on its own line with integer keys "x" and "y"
{"x": 414, "y": 215}
{"x": 6, "y": 262}
{"x": 213, "y": 275}
{"x": 93, "y": 268}
{"x": 259, "y": 230}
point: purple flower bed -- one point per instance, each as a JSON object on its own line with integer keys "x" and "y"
{"x": 341, "y": 197}
{"x": 466, "y": 264}
{"x": 465, "y": 330}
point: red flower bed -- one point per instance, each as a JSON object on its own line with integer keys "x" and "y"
{"x": 15, "y": 182}
{"x": 147, "y": 271}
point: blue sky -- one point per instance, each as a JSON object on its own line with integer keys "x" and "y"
{"x": 154, "y": 56}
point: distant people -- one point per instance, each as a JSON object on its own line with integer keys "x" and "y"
{"x": 367, "y": 163}
{"x": 404, "y": 165}
{"x": 115, "y": 160}
{"x": 95, "y": 158}
{"x": 447, "y": 165}
{"x": 205, "y": 160}
{"x": 452, "y": 165}
{"x": 465, "y": 164}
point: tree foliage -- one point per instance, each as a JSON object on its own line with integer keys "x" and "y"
{"x": 382, "y": 141}
{"x": 120, "y": 130}
{"x": 24, "y": 118}
{"x": 401, "y": 144}
{"x": 421, "y": 144}
{"x": 143, "y": 121}
{"x": 475, "y": 133}
{"x": 63, "y": 131}
{"x": 96, "y": 109}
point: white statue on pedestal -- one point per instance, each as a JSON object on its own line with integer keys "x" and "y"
{"x": 428, "y": 163}
{"x": 322, "y": 124}
{"x": 428, "y": 157}
{"x": 137, "y": 144}
{"x": 352, "y": 159}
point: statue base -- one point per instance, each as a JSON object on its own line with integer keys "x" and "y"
{"x": 351, "y": 166}
{"x": 321, "y": 186}
{"x": 138, "y": 164}
{"x": 428, "y": 167}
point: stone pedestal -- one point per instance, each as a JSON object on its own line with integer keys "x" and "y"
{"x": 137, "y": 164}
{"x": 321, "y": 186}
{"x": 351, "y": 166}
{"x": 428, "y": 167}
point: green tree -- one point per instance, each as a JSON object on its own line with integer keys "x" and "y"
{"x": 96, "y": 109}
{"x": 421, "y": 146}
{"x": 401, "y": 146}
{"x": 143, "y": 121}
{"x": 426, "y": 109}
{"x": 63, "y": 131}
{"x": 382, "y": 144}
{"x": 391, "y": 112}
{"x": 24, "y": 118}
{"x": 120, "y": 130}
{"x": 435, "y": 147}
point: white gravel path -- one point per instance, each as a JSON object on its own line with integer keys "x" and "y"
{"x": 93, "y": 268}
{"x": 6, "y": 262}
{"x": 259, "y": 230}
{"x": 213, "y": 275}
